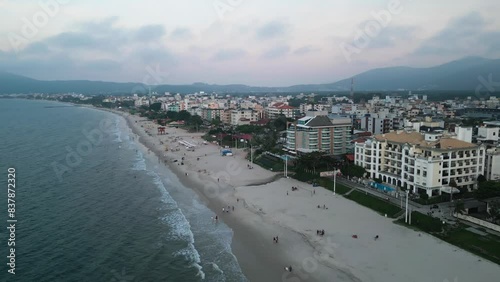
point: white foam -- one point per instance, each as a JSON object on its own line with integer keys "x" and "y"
{"x": 192, "y": 254}
{"x": 117, "y": 131}
{"x": 216, "y": 268}
{"x": 180, "y": 229}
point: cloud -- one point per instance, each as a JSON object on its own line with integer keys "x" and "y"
{"x": 71, "y": 40}
{"x": 104, "y": 26}
{"x": 93, "y": 50}
{"x": 150, "y": 33}
{"x": 36, "y": 48}
{"x": 460, "y": 36}
{"x": 385, "y": 37}
{"x": 106, "y": 38}
{"x": 102, "y": 65}
{"x": 154, "y": 55}
{"x": 305, "y": 50}
{"x": 391, "y": 36}
{"x": 229, "y": 54}
{"x": 271, "y": 30}
{"x": 276, "y": 52}
{"x": 181, "y": 33}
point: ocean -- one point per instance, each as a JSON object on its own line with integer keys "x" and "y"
{"x": 93, "y": 205}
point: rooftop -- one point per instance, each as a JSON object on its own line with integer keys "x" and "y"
{"x": 416, "y": 138}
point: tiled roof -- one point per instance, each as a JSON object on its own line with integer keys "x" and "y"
{"x": 403, "y": 137}
{"x": 416, "y": 138}
{"x": 319, "y": 121}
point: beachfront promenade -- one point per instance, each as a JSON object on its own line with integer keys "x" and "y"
{"x": 443, "y": 211}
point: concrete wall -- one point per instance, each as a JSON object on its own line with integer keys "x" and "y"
{"x": 478, "y": 221}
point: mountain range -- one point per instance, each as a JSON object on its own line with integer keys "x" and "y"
{"x": 459, "y": 75}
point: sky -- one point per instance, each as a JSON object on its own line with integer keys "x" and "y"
{"x": 253, "y": 42}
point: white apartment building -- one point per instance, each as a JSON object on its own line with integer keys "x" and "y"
{"x": 489, "y": 132}
{"x": 377, "y": 123}
{"x": 464, "y": 133}
{"x": 330, "y": 135}
{"x": 492, "y": 165}
{"x": 274, "y": 111}
{"x": 421, "y": 162}
{"x": 304, "y": 108}
{"x": 242, "y": 117}
{"x": 141, "y": 102}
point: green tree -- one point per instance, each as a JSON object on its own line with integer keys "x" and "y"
{"x": 184, "y": 115}
{"x": 494, "y": 211}
{"x": 216, "y": 121}
{"x": 195, "y": 120}
{"x": 459, "y": 207}
{"x": 310, "y": 160}
{"x": 487, "y": 189}
{"x": 481, "y": 178}
{"x": 280, "y": 123}
{"x": 353, "y": 170}
{"x": 172, "y": 115}
{"x": 155, "y": 107}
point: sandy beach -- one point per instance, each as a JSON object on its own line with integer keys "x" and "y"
{"x": 266, "y": 207}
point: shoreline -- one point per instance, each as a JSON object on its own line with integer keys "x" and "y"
{"x": 264, "y": 210}
{"x": 252, "y": 234}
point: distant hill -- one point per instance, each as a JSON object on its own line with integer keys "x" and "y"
{"x": 460, "y": 75}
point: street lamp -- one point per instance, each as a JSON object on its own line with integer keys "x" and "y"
{"x": 406, "y": 209}
{"x": 334, "y": 180}
{"x": 286, "y": 166}
{"x": 249, "y": 142}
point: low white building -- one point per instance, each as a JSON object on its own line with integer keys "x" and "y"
{"x": 492, "y": 165}
{"x": 421, "y": 162}
{"x": 277, "y": 109}
{"x": 489, "y": 131}
{"x": 243, "y": 116}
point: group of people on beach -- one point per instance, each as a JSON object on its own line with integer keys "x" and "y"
{"x": 324, "y": 207}
{"x": 320, "y": 232}
{"x": 275, "y": 239}
{"x": 228, "y": 209}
